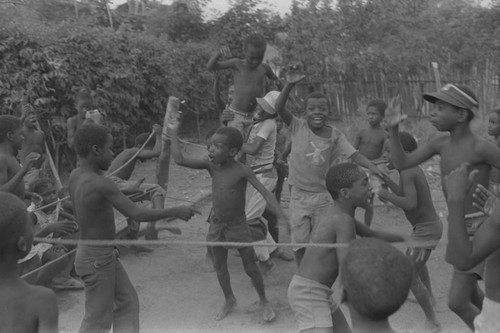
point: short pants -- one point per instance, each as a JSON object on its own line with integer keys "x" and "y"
{"x": 241, "y": 121}
{"x": 428, "y": 232}
{"x": 473, "y": 222}
{"x": 154, "y": 190}
{"x": 306, "y": 209}
{"x": 236, "y": 231}
{"x": 488, "y": 321}
{"x": 312, "y": 303}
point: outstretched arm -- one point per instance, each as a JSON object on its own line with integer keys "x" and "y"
{"x": 461, "y": 252}
{"x": 292, "y": 80}
{"x": 214, "y": 63}
{"x": 156, "y": 151}
{"x": 179, "y": 158}
{"x": 387, "y": 236}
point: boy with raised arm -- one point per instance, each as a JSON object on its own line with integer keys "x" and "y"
{"x": 452, "y": 113}
{"x": 375, "y": 279}
{"x": 310, "y": 291}
{"x": 315, "y": 146}
{"x": 249, "y": 79}
{"x": 110, "y": 297}
{"x": 485, "y": 246}
{"x": 228, "y": 220}
{"x": 412, "y": 194}
{"x": 11, "y": 172}
{"x": 23, "y": 307}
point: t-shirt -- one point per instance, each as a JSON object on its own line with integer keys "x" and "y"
{"x": 311, "y": 156}
{"x": 266, "y": 130}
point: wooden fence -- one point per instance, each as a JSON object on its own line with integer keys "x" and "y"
{"x": 350, "y": 97}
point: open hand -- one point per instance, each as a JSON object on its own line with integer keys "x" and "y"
{"x": 393, "y": 113}
{"x": 30, "y": 159}
{"x": 225, "y": 52}
{"x": 295, "y": 74}
{"x": 486, "y": 200}
{"x": 458, "y": 182}
{"x": 64, "y": 227}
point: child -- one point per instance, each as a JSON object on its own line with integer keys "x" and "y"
{"x": 375, "y": 279}
{"x": 494, "y": 131}
{"x": 83, "y": 103}
{"x": 453, "y": 113}
{"x": 127, "y": 166}
{"x": 249, "y": 79}
{"x": 315, "y": 145}
{"x": 228, "y": 219}
{"x": 465, "y": 254}
{"x": 24, "y": 307}
{"x": 412, "y": 194}
{"x": 370, "y": 141}
{"x": 310, "y": 293}
{"x": 110, "y": 297}
{"x": 11, "y": 141}
{"x": 33, "y": 142}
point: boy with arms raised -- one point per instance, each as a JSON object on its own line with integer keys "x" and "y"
{"x": 485, "y": 246}
{"x": 375, "y": 279}
{"x": 412, "y": 194}
{"x": 110, "y": 297}
{"x": 23, "y": 307}
{"x": 249, "y": 79}
{"x": 452, "y": 113}
{"x": 310, "y": 293}
{"x": 315, "y": 146}
{"x": 228, "y": 220}
{"x": 11, "y": 172}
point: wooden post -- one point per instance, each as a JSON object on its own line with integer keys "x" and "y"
{"x": 163, "y": 165}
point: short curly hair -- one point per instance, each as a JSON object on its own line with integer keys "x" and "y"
{"x": 89, "y": 135}
{"x": 342, "y": 175}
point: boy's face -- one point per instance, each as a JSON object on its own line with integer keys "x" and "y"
{"x": 254, "y": 56}
{"x": 361, "y": 191}
{"x": 230, "y": 94}
{"x": 17, "y": 138}
{"x": 83, "y": 105}
{"x": 494, "y": 125}
{"x": 444, "y": 116}
{"x": 106, "y": 154}
{"x": 259, "y": 114}
{"x": 373, "y": 115}
{"x": 386, "y": 154}
{"x": 218, "y": 149}
{"x": 317, "y": 112}
{"x": 279, "y": 123}
{"x": 48, "y": 194}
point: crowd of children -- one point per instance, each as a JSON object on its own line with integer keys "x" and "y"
{"x": 375, "y": 277}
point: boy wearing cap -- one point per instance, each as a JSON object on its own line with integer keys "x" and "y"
{"x": 452, "y": 113}
{"x": 260, "y": 149}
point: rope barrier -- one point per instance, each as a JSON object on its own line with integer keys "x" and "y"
{"x": 115, "y": 242}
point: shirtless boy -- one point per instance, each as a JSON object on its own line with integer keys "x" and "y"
{"x": 23, "y": 307}
{"x": 110, "y": 297}
{"x": 83, "y": 103}
{"x": 485, "y": 246}
{"x": 412, "y": 194}
{"x": 375, "y": 279}
{"x": 249, "y": 79}
{"x": 33, "y": 142}
{"x": 11, "y": 141}
{"x": 452, "y": 113}
{"x": 228, "y": 220}
{"x": 315, "y": 146}
{"x": 370, "y": 141}
{"x": 310, "y": 293}
{"x": 127, "y": 166}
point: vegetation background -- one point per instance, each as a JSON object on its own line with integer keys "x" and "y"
{"x": 134, "y": 56}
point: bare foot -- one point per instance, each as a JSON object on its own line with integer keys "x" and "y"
{"x": 268, "y": 312}
{"x": 228, "y": 307}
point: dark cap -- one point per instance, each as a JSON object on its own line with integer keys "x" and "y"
{"x": 455, "y": 96}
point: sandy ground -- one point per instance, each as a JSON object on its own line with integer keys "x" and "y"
{"x": 179, "y": 293}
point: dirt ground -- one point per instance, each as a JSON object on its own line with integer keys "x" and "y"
{"x": 178, "y": 292}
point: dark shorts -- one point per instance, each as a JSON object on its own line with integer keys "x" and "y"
{"x": 428, "y": 232}
{"x": 236, "y": 231}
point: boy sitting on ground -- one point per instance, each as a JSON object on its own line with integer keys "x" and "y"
{"x": 228, "y": 220}
{"x": 24, "y": 307}
{"x": 122, "y": 168}
{"x": 310, "y": 291}
{"x": 375, "y": 279}
{"x": 412, "y": 194}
